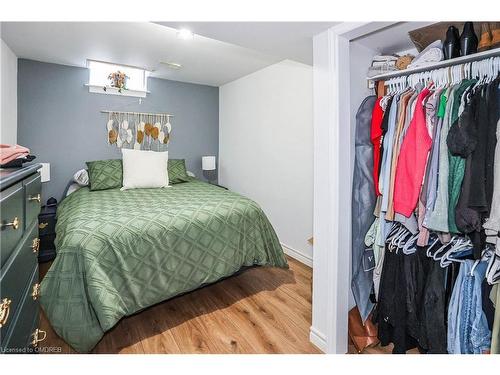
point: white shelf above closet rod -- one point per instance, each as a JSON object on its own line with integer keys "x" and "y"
{"x": 440, "y": 64}
{"x": 139, "y": 113}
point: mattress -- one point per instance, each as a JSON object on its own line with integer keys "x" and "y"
{"x": 119, "y": 252}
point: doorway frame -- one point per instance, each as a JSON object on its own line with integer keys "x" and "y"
{"x": 333, "y": 172}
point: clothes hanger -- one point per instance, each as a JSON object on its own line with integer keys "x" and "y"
{"x": 393, "y": 230}
{"x": 398, "y": 238}
{"x": 403, "y": 239}
{"x": 399, "y": 85}
{"x": 410, "y": 246}
{"x": 440, "y": 78}
{"x": 443, "y": 248}
{"x": 394, "y": 238}
{"x": 428, "y": 253}
{"x": 486, "y": 254}
{"x": 493, "y": 270}
{"x": 455, "y": 245}
{"x": 491, "y": 71}
{"x": 385, "y": 99}
{"x": 461, "y": 244}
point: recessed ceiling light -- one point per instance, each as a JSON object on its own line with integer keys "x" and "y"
{"x": 171, "y": 65}
{"x": 185, "y": 34}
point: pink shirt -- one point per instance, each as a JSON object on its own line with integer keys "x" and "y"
{"x": 412, "y": 160}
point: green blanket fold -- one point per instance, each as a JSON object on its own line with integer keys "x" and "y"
{"x": 121, "y": 251}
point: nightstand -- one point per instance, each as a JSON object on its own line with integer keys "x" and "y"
{"x": 47, "y": 233}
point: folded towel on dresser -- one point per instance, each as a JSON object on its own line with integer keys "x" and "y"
{"x": 11, "y": 152}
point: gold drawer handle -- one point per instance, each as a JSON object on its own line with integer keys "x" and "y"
{"x": 36, "y": 292}
{"x": 4, "y": 311}
{"x": 35, "y": 245}
{"x": 37, "y": 198}
{"x": 42, "y": 225}
{"x": 36, "y": 337}
{"x": 14, "y": 223}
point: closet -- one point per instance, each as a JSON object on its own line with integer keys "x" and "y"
{"x": 426, "y": 202}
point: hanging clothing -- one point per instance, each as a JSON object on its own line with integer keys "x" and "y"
{"x": 431, "y": 107}
{"x": 437, "y": 175}
{"x": 438, "y": 218}
{"x": 390, "y": 314}
{"x": 474, "y": 138}
{"x": 468, "y": 331}
{"x": 385, "y": 128}
{"x": 456, "y": 162}
{"x": 396, "y": 148}
{"x": 478, "y": 197}
{"x": 495, "y": 337}
{"x": 363, "y": 204}
{"x": 462, "y": 142}
{"x": 385, "y": 171}
{"x": 492, "y": 225}
{"x": 406, "y": 114}
{"x": 378, "y": 252}
{"x": 433, "y": 166}
{"x": 493, "y": 99}
{"x": 376, "y": 136}
{"x": 433, "y": 306}
{"x": 412, "y": 161}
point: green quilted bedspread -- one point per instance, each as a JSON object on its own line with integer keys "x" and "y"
{"x": 121, "y": 251}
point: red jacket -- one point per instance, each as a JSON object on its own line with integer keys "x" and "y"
{"x": 376, "y": 138}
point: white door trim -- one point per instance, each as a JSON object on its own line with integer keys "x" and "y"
{"x": 333, "y": 151}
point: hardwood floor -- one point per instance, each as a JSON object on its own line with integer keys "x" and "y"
{"x": 261, "y": 310}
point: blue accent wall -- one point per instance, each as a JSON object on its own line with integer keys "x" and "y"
{"x": 61, "y": 123}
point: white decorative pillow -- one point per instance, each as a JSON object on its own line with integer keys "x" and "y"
{"x": 72, "y": 188}
{"x": 144, "y": 169}
{"x": 81, "y": 177}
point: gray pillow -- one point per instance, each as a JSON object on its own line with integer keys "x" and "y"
{"x": 81, "y": 177}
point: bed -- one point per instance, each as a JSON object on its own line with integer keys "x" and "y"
{"x": 119, "y": 252}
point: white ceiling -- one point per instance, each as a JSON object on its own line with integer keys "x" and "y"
{"x": 242, "y": 48}
{"x": 288, "y": 40}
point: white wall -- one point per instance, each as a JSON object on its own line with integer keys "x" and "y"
{"x": 8, "y": 95}
{"x": 266, "y": 148}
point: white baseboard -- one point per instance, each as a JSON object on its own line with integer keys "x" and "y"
{"x": 318, "y": 339}
{"x": 297, "y": 255}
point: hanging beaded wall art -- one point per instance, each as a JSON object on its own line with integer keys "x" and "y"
{"x": 140, "y": 131}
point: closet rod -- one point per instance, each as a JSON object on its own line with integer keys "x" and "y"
{"x": 440, "y": 64}
{"x": 139, "y": 113}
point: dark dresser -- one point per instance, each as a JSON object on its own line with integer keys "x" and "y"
{"x": 20, "y": 196}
